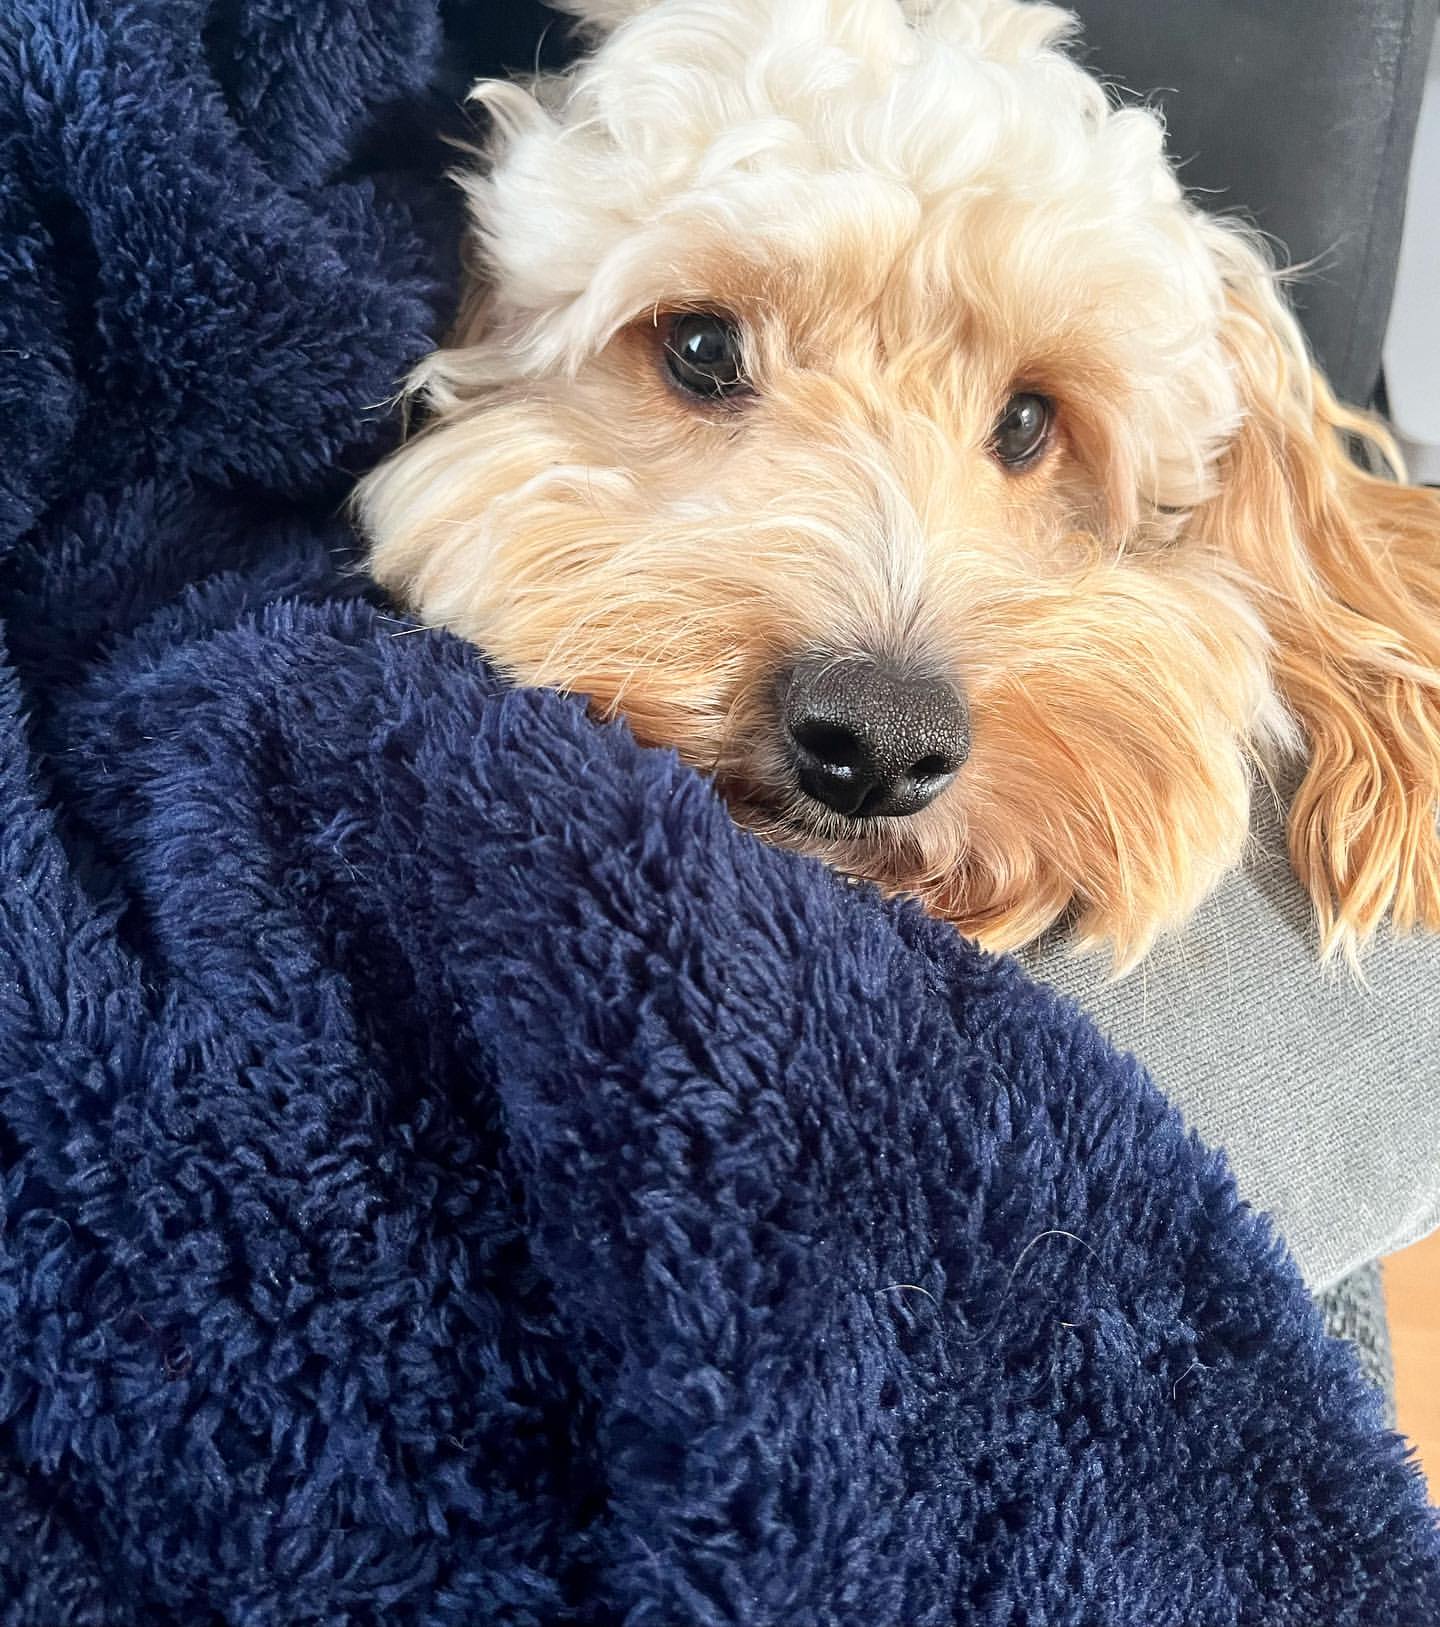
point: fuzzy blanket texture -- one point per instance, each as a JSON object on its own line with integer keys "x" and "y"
{"x": 448, "y": 1175}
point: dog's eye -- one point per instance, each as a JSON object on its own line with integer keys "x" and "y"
{"x": 1022, "y": 430}
{"x": 704, "y": 351}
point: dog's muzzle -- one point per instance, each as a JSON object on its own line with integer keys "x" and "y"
{"x": 870, "y": 741}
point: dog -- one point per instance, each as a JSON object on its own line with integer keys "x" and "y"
{"x": 847, "y": 394}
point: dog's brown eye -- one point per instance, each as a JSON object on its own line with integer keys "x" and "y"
{"x": 1022, "y": 430}
{"x": 704, "y": 351}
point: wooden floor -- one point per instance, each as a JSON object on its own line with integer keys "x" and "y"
{"x": 1412, "y": 1297}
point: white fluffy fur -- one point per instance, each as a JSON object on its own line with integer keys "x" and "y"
{"x": 762, "y": 124}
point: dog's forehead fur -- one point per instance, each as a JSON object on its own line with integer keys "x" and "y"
{"x": 942, "y": 173}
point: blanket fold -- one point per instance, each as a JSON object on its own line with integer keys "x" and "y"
{"x": 448, "y": 1173}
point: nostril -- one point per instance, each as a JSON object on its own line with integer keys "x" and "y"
{"x": 935, "y": 767}
{"x": 829, "y": 743}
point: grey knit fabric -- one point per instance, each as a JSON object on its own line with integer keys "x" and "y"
{"x": 1325, "y": 1094}
{"x": 1354, "y": 1310}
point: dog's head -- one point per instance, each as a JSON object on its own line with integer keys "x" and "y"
{"x": 849, "y": 397}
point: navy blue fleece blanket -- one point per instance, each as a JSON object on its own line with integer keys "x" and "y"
{"x": 448, "y": 1175}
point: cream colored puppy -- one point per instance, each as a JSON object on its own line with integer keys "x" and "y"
{"x": 849, "y": 396}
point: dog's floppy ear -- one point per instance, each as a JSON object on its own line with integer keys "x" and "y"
{"x": 1346, "y": 564}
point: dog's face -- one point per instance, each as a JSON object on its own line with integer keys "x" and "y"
{"x": 851, "y": 399}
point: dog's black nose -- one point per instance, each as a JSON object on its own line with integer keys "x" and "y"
{"x": 869, "y": 741}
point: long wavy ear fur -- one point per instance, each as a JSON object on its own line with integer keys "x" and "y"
{"x": 1347, "y": 567}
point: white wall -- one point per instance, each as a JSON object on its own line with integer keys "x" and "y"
{"x": 1412, "y": 344}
